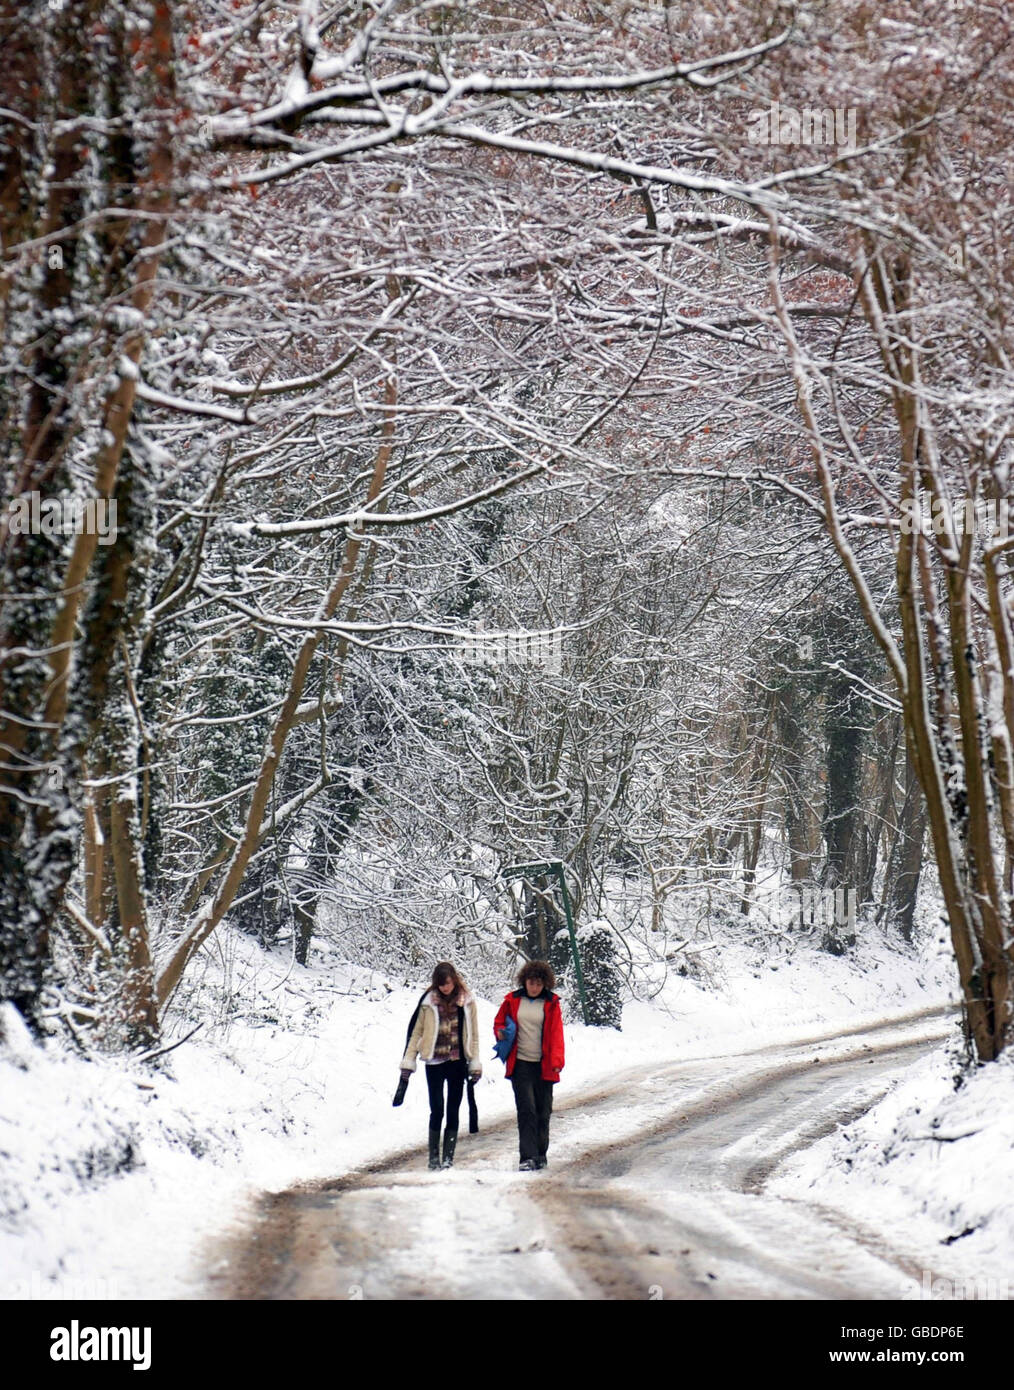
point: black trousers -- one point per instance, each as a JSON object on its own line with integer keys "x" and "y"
{"x": 451, "y": 1074}
{"x": 533, "y": 1098}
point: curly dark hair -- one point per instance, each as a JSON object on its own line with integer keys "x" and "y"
{"x": 537, "y": 970}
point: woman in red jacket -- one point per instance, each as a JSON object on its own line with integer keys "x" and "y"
{"x": 535, "y": 1061}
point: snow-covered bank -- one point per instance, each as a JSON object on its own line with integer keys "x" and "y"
{"x": 933, "y": 1163}
{"x": 114, "y": 1181}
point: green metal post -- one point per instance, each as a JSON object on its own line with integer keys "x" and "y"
{"x": 555, "y": 867}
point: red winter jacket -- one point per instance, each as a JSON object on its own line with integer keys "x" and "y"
{"x": 552, "y": 1032}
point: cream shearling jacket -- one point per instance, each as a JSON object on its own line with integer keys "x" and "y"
{"x": 424, "y": 1034}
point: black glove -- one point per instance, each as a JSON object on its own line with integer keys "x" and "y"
{"x": 399, "y": 1094}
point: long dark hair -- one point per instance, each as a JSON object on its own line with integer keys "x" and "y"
{"x": 442, "y": 972}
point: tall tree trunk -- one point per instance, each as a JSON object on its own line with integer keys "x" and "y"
{"x": 797, "y": 783}
{"x": 55, "y": 71}
{"x": 757, "y": 791}
{"x": 905, "y": 865}
{"x": 844, "y": 739}
{"x": 932, "y": 683}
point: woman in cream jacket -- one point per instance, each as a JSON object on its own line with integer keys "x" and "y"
{"x": 444, "y": 1033}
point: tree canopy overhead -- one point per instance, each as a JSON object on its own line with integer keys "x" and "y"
{"x": 381, "y": 323}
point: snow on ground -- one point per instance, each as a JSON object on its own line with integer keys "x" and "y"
{"x": 115, "y": 1179}
{"x": 935, "y": 1158}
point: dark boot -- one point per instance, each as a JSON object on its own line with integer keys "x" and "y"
{"x": 434, "y": 1148}
{"x": 450, "y": 1140}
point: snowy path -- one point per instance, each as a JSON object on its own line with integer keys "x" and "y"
{"x": 655, "y": 1189}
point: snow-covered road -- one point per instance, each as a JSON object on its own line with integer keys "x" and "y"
{"x": 655, "y": 1189}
